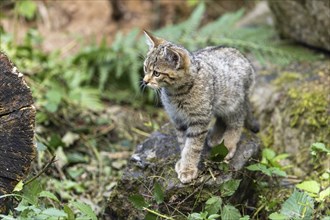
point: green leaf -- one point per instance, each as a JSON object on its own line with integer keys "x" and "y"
{"x": 213, "y": 205}
{"x": 22, "y": 208}
{"x": 41, "y": 146}
{"x": 268, "y": 171}
{"x": 213, "y": 216}
{"x": 325, "y": 176}
{"x": 86, "y": 209}
{"x": 19, "y": 186}
{"x": 54, "y": 98}
{"x": 259, "y": 167}
{"x": 69, "y": 212}
{"x": 319, "y": 147}
{"x": 31, "y": 192}
{"x": 158, "y": 193}
{"x": 245, "y": 217}
{"x": 26, "y": 8}
{"x": 280, "y": 157}
{"x": 69, "y": 138}
{"x": 195, "y": 18}
{"x": 150, "y": 216}
{"x": 324, "y": 194}
{"x": 49, "y": 195}
{"x": 298, "y": 206}
{"x": 268, "y": 154}
{"x": 204, "y": 215}
{"x": 138, "y": 201}
{"x": 54, "y": 212}
{"x": 6, "y": 217}
{"x": 255, "y": 167}
{"x": 195, "y": 216}
{"x": 278, "y": 216}
{"x": 219, "y": 152}
{"x": 276, "y": 171}
{"x": 309, "y": 186}
{"x": 229, "y": 188}
{"x": 230, "y": 212}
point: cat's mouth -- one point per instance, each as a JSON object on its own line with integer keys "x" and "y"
{"x": 153, "y": 85}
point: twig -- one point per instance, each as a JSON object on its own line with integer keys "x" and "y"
{"x": 41, "y": 171}
{"x": 210, "y": 171}
{"x": 158, "y": 214}
{"x": 140, "y": 132}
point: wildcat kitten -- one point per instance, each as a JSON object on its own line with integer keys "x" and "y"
{"x": 214, "y": 81}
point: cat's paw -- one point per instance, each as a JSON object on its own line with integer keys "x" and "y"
{"x": 186, "y": 172}
{"x": 230, "y": 155}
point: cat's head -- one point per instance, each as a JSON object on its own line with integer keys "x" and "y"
{"x": 166, "y": 64}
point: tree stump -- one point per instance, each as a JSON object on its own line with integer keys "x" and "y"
{"x": 17, "y": 118}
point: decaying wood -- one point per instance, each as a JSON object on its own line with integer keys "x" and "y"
{"x": 17, "y": 118}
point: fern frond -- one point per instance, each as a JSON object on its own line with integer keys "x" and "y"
{"x": 121, "y": 63}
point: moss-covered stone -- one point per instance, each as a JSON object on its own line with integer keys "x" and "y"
{"x": 293, "y": 110}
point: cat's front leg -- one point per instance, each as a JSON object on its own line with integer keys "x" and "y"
{"x": 187, "y": 166}
{"x": 180, "y": 133}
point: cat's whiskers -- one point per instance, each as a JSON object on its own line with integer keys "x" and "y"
{"x": 157, "y": 91}
{"x": 141, "y": 56}
{"x": 142, "y": 86}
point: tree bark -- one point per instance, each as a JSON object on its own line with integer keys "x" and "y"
{"x": 17, "y": 118}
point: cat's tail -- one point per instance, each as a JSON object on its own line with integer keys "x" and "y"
{"x": 252, "y": 125}
{"x": 250, "y": 122}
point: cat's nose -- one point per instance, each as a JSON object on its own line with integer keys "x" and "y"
{"x": 146, "y": 80}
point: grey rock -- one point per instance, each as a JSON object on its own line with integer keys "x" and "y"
{"x": 306, "y": 21}
{"x": 153, "y": 162}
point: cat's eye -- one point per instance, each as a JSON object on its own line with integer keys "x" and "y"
{"x": 155, "y": 73}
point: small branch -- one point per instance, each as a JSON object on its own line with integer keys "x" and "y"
{"x": 210, "y": 171}
{"x": 158, "y": 214}
{"x": 41, "y": 171}
{"x": 140, "y": 132}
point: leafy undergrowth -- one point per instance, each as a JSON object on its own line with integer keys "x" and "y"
{"x": 91, "y": 114}
{"x": 277, "y": 195}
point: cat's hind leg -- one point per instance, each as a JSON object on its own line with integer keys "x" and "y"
{"x": 232, "y": 135}
{"x": 215, "y": 135}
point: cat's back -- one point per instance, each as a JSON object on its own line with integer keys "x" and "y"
{"x": 222, "y": 55}
{"x": 226, "y": 64}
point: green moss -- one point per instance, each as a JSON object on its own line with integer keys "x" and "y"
{"x": 287, "y": 77}
{"x": 267, "y": 136}
{"x": 305, "y": 103}
{"x": 309, "y": 105}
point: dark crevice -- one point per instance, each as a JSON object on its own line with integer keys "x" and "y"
{"x": 16, "y": 110}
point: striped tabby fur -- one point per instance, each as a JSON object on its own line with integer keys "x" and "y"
{"x": 195, "y": 87}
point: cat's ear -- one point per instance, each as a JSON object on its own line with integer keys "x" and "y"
{"x": 152, "y": 41}
{"x": 177, "y": 57}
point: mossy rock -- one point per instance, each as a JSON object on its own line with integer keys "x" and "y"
{"x": 153, "y": 164}
{"x": 292, "y": 106}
